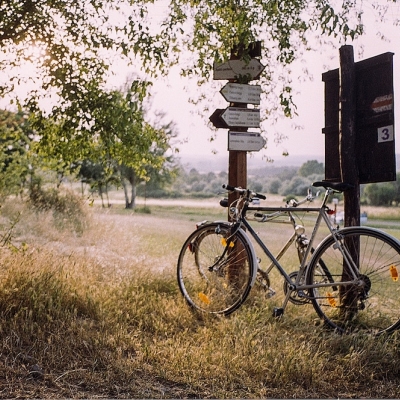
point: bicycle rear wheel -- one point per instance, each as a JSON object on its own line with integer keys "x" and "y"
{"x": 372, "y": 303}
{"x": 216, "y": 270}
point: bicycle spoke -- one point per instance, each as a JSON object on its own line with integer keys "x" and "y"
{"x": 372, "y": 302}
{"x": 215, "y": 272}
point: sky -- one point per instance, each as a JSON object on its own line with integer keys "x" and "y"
{"x": 171, "y": 96}
{"x": 172, "y": 93}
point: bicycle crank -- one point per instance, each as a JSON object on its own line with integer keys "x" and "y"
{"x": 297, "y": 297}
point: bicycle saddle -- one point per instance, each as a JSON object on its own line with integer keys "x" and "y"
{"x": 338, "y": 186}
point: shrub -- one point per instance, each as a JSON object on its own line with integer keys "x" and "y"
{"x": 68, "y": 209}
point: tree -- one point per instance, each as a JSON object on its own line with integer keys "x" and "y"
{"x": 67, "y": 45}
{"x": 140, "y": 149}
{"x": 381, "y": 194}
{"x": 71, "y": 45}
{"x": 124, "y": 145}
{"x": 97, "y": 176}
{"x": 15, "y": 152}
{"x": 310, "y": 168}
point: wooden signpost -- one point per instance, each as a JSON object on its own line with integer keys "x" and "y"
{"x": 238, "y": 116}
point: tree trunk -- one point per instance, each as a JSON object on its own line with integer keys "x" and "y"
{"x": 129, "y": 202}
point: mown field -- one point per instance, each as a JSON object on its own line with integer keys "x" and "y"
{"x": 98, "y": 314}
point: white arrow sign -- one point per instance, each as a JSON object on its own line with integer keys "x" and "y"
{"x": 241, "y": 117}
{"x": 241, "y": 93}
{"x": 232, "y": 69}
{"x": 245, "y": 141}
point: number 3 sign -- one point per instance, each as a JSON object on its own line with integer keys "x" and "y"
{"x": 386, "y": 134}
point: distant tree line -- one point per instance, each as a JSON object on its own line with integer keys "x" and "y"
{"x": 290, "y": 182}
{"x": 22, "y": 167}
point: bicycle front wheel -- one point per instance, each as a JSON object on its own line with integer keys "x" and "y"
{"x": 216, "y": 269}
{"x": 371, "y": 301}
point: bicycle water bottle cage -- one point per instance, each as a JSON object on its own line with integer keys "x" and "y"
{"x": 337, "y": 186}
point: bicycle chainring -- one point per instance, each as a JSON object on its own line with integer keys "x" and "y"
{"x": 294, "y": 296}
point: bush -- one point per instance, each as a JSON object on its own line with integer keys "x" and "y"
{"x": 297, "y": 186}
{"x": 68, "y": 209}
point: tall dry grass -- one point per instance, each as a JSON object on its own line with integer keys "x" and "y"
{"x": 99, "y": 314}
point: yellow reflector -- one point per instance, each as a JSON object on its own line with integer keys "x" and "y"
{"x": 331, "y": 300}
{"x": 204, "y": 298}
{"x": 223, "y": 242}
{"x": 394, "y": 273}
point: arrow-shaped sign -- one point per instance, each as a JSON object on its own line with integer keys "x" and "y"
{"x": 216, "y": 120}
{"x": 241, "y": 93}
{"x": 245, "y": 141}
{"x": 233, "y": 69}
{"x": 236, "y": 117}
{"x": 241, "y": 117}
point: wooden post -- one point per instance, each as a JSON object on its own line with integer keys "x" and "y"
{"x": 349, "y": 171}
{"x": 347, "y": 136}
{"x": 237, "y": 168}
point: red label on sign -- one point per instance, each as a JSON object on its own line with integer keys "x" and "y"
{"x": 382, "y": 103}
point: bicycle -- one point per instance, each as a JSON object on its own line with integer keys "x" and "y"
{"x": 297, "y": 238}
{"x": 351, "y": 278}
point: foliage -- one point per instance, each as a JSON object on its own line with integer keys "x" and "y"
{"x": 68, "y": 209}
{"x": 296, "y": 186}
{"x": 311, "y": 167}
{"x": 70, "y": 47}
{"x": 284, "y": 181}
{"x": 157, "y": 171}
{"x": 196, "y": 184}
{"x": 383, "y": 193}
{"x": 15, "y": 156}
{"x": 124, "y": 147}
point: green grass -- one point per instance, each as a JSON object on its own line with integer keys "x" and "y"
{"x": 100, "y": 315}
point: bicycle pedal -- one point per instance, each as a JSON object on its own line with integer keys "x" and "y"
{"x": 277, "y": 312}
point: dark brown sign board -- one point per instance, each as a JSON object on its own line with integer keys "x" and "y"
{"x": 376, "y": 158}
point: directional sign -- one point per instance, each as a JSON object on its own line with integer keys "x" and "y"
{"x": 233, "y": 69}
{"x": 235, "y": 117}
{"x": 241, "y": 93}
{"x": 216, "y": 120}
{"x": 241, "y": 117}
{"x": 245, "y": 141}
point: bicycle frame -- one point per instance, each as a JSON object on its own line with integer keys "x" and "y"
{"x": 350, "y": 277}
{"x": 322, "y": 216}
{"x": 296, "y": 236}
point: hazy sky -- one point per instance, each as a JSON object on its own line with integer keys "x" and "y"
{"x": 171, "y": 97}
{"x": 172, "y": 94}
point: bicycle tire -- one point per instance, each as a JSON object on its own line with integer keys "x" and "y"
{"x": 216, "y": 270}
{"x": 373, "y": 305}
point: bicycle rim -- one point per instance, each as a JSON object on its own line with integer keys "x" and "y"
{"x": 373, "y": 304}
{"x": 216, "y": 271}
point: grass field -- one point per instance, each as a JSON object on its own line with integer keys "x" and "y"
{"x": 99, "y": 315}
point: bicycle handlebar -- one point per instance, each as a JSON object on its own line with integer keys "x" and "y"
{"x": 309, "y": 198}
{"x": 242, "y": 192}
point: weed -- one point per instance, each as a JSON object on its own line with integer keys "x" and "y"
{"x": 100, "y": 315}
